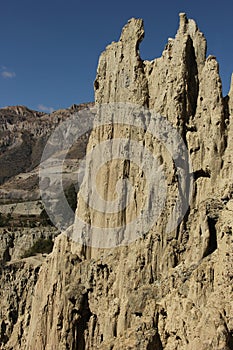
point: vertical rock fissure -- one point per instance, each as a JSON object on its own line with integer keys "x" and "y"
{"x": 230, "y": 341}
{"x": 191, "y": 78}
{"x": 80, "y": 325}
{"x": 155, "y": 343}
{"x": 212, "y": 245}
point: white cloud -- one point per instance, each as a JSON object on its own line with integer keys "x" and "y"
{"x": 45, "y": 109}
{"x": 6, "y": 73}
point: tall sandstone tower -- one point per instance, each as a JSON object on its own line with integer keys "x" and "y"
{"x": 168, "y": 289}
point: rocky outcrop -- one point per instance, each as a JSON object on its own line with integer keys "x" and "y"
{"x": 23, "y": 220}
{"x": 120, "y": 73}
{"x": 14, "y": 242}
{"x": 18, "y": 281}
{"x": 24, "y": 134}
{"x": 168, "y": 289}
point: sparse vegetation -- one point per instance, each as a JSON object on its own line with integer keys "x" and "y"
{"x": 44, "y": 219}
{"x": 5, "y": 219}
{"x": 42, "y": 245}
{"x": 71, "y": 196}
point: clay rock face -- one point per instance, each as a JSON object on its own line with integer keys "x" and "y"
{"x": 173, "y": 78}
{"x": 120, "y": 73}
{"x": 231, "y": 97}
{"x": 167, "y": 289}
{"x": 18, "y": 281}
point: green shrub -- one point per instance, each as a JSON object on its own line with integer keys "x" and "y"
{"x": 42, "y": 245}
{"x": 71, "y": 196}
{"x": 5, "y": 219}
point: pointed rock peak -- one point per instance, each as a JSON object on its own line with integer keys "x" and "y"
{"x": 189, "y": 28}
{"x": 183, "y": 22}
{"x": 133, "y": 31}
{"x": 120, "y": 75}
{"x": 231, "y": 87}
{"x": 231, "y": 97}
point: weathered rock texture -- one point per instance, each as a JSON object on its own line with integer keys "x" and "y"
{"x": 24, "y": 134}
{"x": 23, "y": 220}
{"x": 165, "y": 290}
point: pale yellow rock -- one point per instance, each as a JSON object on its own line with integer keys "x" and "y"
{"x": 120, "y": 73}
{"x": 231, "y": 97}
{"x": 166, "y": 290}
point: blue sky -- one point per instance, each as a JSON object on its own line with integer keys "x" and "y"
{"x": 50, "y": 49}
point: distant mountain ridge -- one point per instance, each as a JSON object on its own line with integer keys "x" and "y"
{"x": 24, "y": 133}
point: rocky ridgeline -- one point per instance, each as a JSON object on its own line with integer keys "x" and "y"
{"x": 24, "y": 134}
{"x": 166, "y": 290}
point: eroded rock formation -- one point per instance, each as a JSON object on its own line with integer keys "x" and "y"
{"x": 166, "y": 290}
